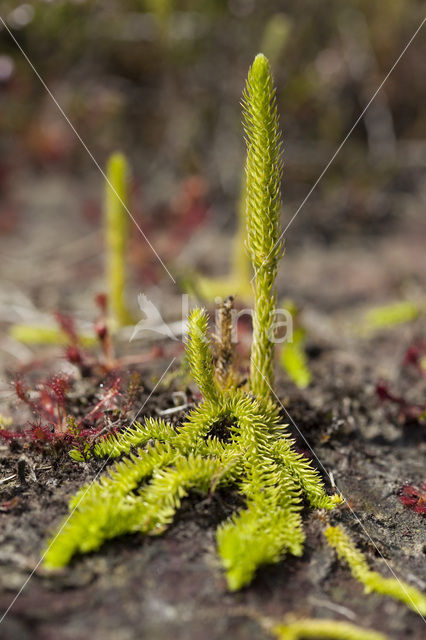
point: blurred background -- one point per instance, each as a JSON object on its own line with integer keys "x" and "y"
{"x": 161, "y": 80}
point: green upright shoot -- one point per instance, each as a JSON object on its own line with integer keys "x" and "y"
{"x": 263, "y": 206}
{"x": 199, "y": 355}
{"x": 116, "y": 224}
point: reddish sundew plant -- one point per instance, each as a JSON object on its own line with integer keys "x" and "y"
{"x": 414, "y": 357}
{"x": 409, "y": 412}
{"x": 73, "y": 352}
{"x": 54, "y": 424}
{"x": 414, "y": 497}
{"x": 48, "y": 404}
{"x": 103, "y": 333}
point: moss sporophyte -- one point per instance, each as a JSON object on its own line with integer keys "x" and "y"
{"x": 234, "y": 437}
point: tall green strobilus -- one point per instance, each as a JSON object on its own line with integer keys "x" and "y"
{"x": 263, "y": 207}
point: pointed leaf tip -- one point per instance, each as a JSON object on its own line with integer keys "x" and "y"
{"x": 261, "y": 59}
{"x": 261, "y": 65}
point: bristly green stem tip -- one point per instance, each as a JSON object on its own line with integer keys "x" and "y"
{"x": 263, "y": 207}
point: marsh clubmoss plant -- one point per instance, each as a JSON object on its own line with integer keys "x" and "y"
{"x": 263, "y": 207}
{"x": 372, "y": 580}
{"x": 232, "y": 438}
{"x": 116, "y": 230}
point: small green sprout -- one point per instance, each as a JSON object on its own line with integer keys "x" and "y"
{"x": 293, "y": 359}
{"x": 389, "y": 316}
{"x": 28, "y": 334}
{"x": 293, "y": 356}
{"x": 373, "y": 581}
{"x": 305, "y": 628}
{"x": 238, "y": 281}
{"x": 116, "y": 224}
{"x": 5, "y": 421}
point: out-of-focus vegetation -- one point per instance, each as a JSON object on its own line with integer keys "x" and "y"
{"x": 162, "y": 77}
{"x": 161, "y": 80}
{"x": 117, "y": 223}
{"x": 388, "y": 316}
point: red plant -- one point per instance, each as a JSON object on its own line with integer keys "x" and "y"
{"x": 413, "y": 497}
{"x": 414, "y": 356}
{"x": 409, "y": 412}
{"x": 53, "y": 398}
{"x": 49, "y": 403}
{"x": 106, "y": 403}
{"x": 52, "y": 422}
{"x": 73, "y": 351}
{"x": 103, "y": 333}
{"x": 67, "y": 325}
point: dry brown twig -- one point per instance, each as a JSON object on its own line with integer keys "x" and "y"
{"x": 223, "y": 341}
